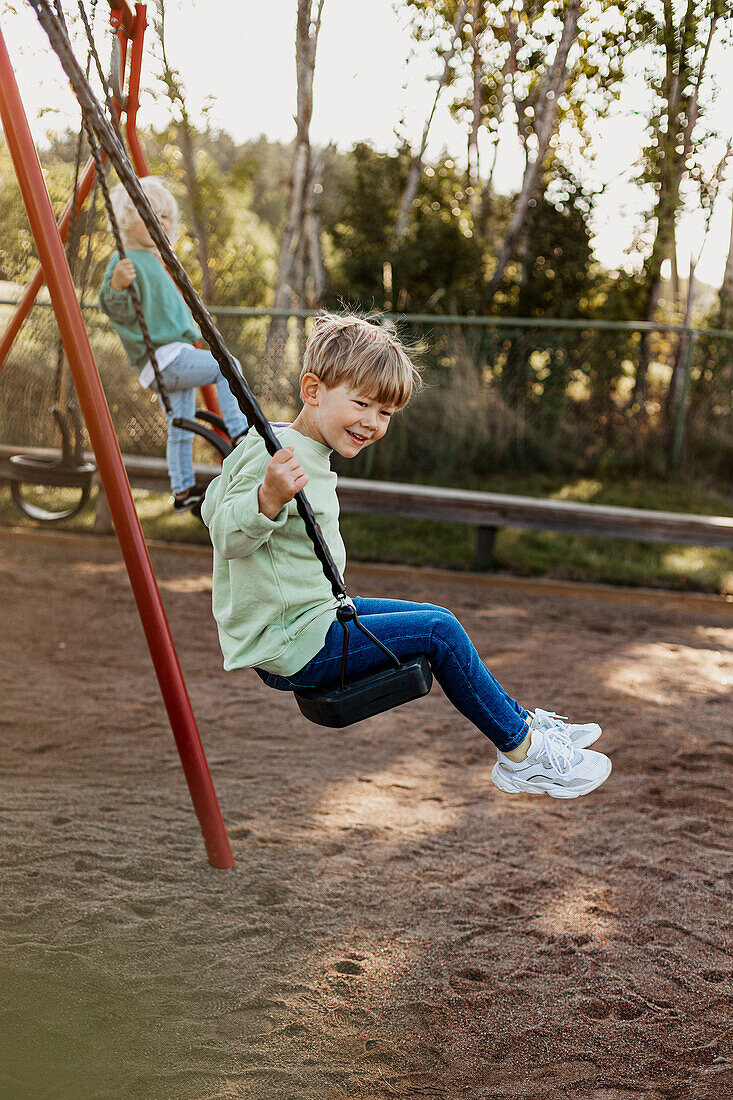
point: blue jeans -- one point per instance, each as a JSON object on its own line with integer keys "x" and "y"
{"x": 409, "y": 629}
{"x": 190, "y": 369}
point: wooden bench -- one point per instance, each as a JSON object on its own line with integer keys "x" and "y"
{"x": 487, "y": 512}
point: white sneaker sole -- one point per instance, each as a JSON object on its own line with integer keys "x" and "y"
{"x": 501, "y": 779}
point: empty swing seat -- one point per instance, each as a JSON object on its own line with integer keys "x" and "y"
{"x": 66, "y": 469}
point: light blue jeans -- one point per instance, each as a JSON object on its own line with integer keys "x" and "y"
{"x": 409, "y": 629}
{"x": 190, "y": 369}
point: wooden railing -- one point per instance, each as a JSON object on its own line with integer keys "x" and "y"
{"x": 487, "y": 512}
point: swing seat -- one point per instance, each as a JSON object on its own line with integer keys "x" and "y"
{"x": 223, "y": 446}
{"x": 365, "y": 696}
{"x": 51, "y": 470}
{"x": 66, "y": 469}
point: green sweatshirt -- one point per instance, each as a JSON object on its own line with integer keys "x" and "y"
{"x": 272, "y": 604}
{"x": 167, "y": 316}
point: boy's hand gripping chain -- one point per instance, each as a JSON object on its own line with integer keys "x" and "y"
{"x": 114, "y": 149}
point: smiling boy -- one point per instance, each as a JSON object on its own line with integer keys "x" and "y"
{"x": 274, "y": 607}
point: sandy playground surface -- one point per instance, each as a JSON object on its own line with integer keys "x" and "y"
{"x": 395, "y": 927}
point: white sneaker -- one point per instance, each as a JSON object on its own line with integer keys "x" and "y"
{"x": 581, "y": 736}
{"x": 553, "y": 766}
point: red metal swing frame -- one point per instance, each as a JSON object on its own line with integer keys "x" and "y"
{"x": 54, "y": 269}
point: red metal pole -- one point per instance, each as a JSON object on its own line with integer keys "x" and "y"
{"x": 109, "y": 462}
{"x": 133, "y": 91}
{"x": 122, "y": 15}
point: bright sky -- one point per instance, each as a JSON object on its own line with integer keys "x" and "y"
{"x": 240, "y": 56}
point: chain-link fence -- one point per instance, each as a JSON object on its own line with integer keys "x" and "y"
{"x": 499, "y": 393}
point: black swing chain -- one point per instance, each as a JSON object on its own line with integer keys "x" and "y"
{"x": 114, "y": 149}
{"x": 72, "y": 240}
{"x": 86, "y": 266}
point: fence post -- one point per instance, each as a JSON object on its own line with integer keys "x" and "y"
{"x": 679, "y": 427}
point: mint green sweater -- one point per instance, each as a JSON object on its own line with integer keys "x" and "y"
{"x": 167, "y": 316}
{"x": 272, "y": 604}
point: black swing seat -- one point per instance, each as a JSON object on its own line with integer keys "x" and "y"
{"x": 366, "y": 696}
{"x": 223, "y": 446}
{"x": 51, "y": 470}
{"x": 343, "y": 703}
{"x": 66, "y": 469}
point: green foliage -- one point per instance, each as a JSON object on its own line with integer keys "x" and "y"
{"x": 558, "y": 275}
{"x": 677, "y": 41}
{"x": 242, "y": 250}
{"x": 496, "y": 398}
{"x": 17, "y": 250}
{"x": 437, "y": 267}
{"x": 358, "y": 227}
{"x": 265, "y": 166}
{"x": 512, "y": 45}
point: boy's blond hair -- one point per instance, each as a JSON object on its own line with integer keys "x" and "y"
{"x": 371, "y": 357}
{"x": 159, "y": 198}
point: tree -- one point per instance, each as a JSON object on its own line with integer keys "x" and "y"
{"x": 726, "y": 290}
{"x": 539, "y": 65}
{"x": 300, "y": 249}
{"x": 559, "y": 280}
{"x": 199, "y": 206}
{"x": 709, "y": 188}
{"x": 241, "y": 248}
{"x": 413, "y": 177}
{"x": 553, "y": 83}
{"x": 17, "y": 249}
{"x": 435, "y": 267}
{"x": 681, "y": 38}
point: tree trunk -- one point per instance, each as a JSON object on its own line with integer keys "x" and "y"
{"x": 554, "y": 83}
{"x": 292, "y": 268}
{"x": 677, "y": 141}
{"x": 315, "y": 269}
{"x": 176, "y": 95}
{"x": 486, "y": 196}
{"x": 676, "y": 383}
{"x": 198, "y": 214}
{"x": 726, "y": 290}
{"x": 473, "y": 173}
{"x": 674, "y": 275}
{"x": 413, "y": 178}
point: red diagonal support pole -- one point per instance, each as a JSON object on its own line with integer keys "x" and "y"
{"x": 109, "y": 462}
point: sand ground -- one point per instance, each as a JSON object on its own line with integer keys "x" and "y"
{"x": 394, "y": 927}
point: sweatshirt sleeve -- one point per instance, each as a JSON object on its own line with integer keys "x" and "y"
{"x": 231, "y": 511}
{"x": 117, "y": 304}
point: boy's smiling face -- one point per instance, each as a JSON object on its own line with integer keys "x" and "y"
{"x": 341, "y": 417}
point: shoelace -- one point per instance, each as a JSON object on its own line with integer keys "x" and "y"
{"x": 557, "y": 749}
{"x": 549, "y": 718}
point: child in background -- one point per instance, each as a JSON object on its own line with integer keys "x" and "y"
{"x": 183, "y": 367}
{"x": 275, "y": 609}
